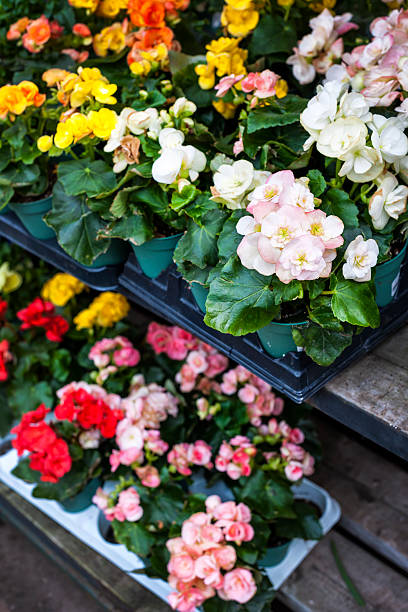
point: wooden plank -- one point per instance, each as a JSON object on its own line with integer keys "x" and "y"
{"x": 395, "y": 349}
{"x": 316, "y": 586}
{"x": 108, "y": 584}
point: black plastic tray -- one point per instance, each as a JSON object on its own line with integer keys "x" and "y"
{"x": 104, "y": 278}
{"x": 295, "y": 374}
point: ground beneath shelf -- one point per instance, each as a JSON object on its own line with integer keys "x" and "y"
{"x": 31, "y": 581}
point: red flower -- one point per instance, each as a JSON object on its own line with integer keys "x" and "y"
{"x": 37, "y": 437}
{"x": 57, "y": 461}
{"x": 92, "y": 413}
{"x": 56, "y": 328}
{"x": 3, "y": 309}
{"x": 109, "y": 422}
{"x": 37, "y": 314}
{"x": 66, "y": 411}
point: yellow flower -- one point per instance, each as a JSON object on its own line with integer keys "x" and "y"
{"x": 54, "y": 76}
{"x": 318, "y": 7}
{"x": 9, "y": 280}
{"x": 110, "y": 8}
{"x": 102, "y": 122}
{"x": 79, "y": 126}
{"x": 90, "y": 74}
{"x": 81, "y": 93}
{"x": 240, "y": 5}
{"x": 141, "y": 68}
{"x": 226, "y": 109}
{"x": 206, "y": 76}
{"x": 61, "y": 288}
{"x": 239, "y": 23}
{"x": 44, "y": 143}
{"x": 106, "y": 310}
{"x": 281, "y": 88}
{"x": 63, "y": 137}
{"x": 88, "y": 5}
{"x": 111, "y": 38}
{"x": 102, "y": 92}
{"x": 12, "y": 100}
{"x": 287, "y": 3}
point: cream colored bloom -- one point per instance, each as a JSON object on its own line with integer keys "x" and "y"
{"x": 361, "y": 255}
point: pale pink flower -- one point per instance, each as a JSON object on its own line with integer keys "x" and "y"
{"x": 243, "y": 513}
{"x": 126, "y": 357}
{"x": 149, "y": 476}
{"x": 200, "y": 453}
{"x": 248, "y": 394}
{"x": 188, "y": 600}
{"x": 294, "y": 471}
{"x": 182, "y": 566}
{"x": 217, "y": 363}
{"x": 291, "y": 451}
{"x": 225, "y": 556}
{"x": 154, "y": 443}
{"x": 129, "y": 504}
{"x": 308, "y": 464}
{"x": 239, "y": 532}
{"x": 239, "y": 585}
{"x": 302, "y": 259}
{"x": 238, "y": 146}
{"x": 100, "y": 499}
{"x": 186, "y": 378}
{"x": 197, "y": 362}
{"x": 206, "y": 568}
{"x": 225, "y": 511}
{"x": 178, "y": 457}
{"x": 225, "y": 84}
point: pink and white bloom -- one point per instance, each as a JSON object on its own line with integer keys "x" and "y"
{"x": 225, "y": 84}
{"x": 361, "y": 255}
{"x": 239, "y": 585}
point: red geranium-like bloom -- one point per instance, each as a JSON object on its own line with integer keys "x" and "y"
{"x": 37, "y": 314}
{"x": 56, "y": 328}
{"x": 3, "y": 309}
{"x": 57, "y": 461}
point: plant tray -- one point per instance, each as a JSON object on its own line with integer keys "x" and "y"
{"x": 85, "y": 526}
{"x": 104, "y": 278}
{"x": 295, "y": 374}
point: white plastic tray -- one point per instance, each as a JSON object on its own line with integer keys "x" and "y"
{"x": 84, "y": 525}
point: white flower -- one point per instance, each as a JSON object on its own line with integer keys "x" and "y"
{"x": 337, "y": 72}
{"x": 362, "y": 165}
{"x": 320, "y": 111}
{"x": 342, "y": 137}
{"x": 90, "y": 438}
{"x": 182, "y": 106}
{"x": 119, "y": 130}
{"x": 175, "y": 157}
{"x": 354, "y": 104}
{"x": 166, "y": 168}
{"x": 148, "y": 120}
{"x": 232, "y": 182}
{"x": 194, "y": 161}
{"x": 390, "y": 200}
{"x": 170, "y": 138}
{"x": 388, "y": 138}
{"x": 302, "y": 70}
{"x": 361, "y": 255}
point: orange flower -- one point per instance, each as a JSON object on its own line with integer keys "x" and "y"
{"x": 150, "y": 38}
{"x": 38, "y": 33}
{"x": 12, "y": 100}
{"x": 82, "y": 30}
{"x": 147, "y": 13}
{"x": 31, "y": 93}
{"x": 53, "y": 76}
{"x": 17, "y": 28}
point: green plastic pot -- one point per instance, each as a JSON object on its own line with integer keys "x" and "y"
{"x": 200, "y": 294}
{"x": 115, "y": 255}
{"x": 156, "y": 255}
{"x": 276, "y": 338}
{"x": 83, "y": 500}
{"x": 31, "y": 216}
{"x": 387, "y": 278}
{"x": 274, "y": 555}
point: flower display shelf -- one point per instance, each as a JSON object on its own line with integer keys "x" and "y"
{"x": 104, "y": 278}
{"x": 295, "y": 374}
{"x": 84, "y": 526}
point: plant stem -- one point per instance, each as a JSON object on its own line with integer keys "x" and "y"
{"x": 347, "y": 580}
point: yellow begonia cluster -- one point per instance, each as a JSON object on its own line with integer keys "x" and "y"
{"x": 223, "y": 57}
{"x": 96, "y": 123}
{"x": 240, "y": 17}
{"x": 151, "y": 60}
{"x": 318, "y": 7}
{"x": 103, "y": 8}
{"x": 76, "y": 89}
{"x": 9, "y": 280}
{"x": 106, "y": 310}
{"x": 14, "y": 99}
{"x": 61, "y": 288}
{"x": 111, "y": 38}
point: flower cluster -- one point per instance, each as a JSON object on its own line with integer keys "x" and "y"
{"x": 105, "y": 310}
{"x": 235, "y": 181}
{"x": 368, "y": 145}
{"x": 234, "y": 457}
{"x": 111, "y": 38}
{"x": 61, "y": 288}
{"x": 240, "y": 17}
{"x": 9, "y": 279}
{"x": 5, "y": 357}
{"x": 85, "y": 86}
{"x": 286, "y": 236}
{"x": 174, "y": 341}
{"x": 92, "y": 409}
{"x": 145, "y": 408}
{"x": 144, "y": 61}
{"x": 291, "y": 458}
{"x": 49, "y": 454}
{"x": 109, "y": 354}
{"x": 259, "y": 86}
{"x": 183, "y": 455}
{"x": 103, "y": 8}
{"x": 127, "y": 507}
{"x": 224, "y": 57}
{"x": 15, "y": 99}
{"x": 34, "y": 33}
{"x": 322, "y": 48}
{"x": 202, "y": 560}
{"x": 42, "y": 314}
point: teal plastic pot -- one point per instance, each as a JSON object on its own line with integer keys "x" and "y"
{"x": 83, "y": 500}
{"x": 5, "y": 210}
{"x": 115, "y": 255}
{"x": 387, "y": 278}
{"x": 276, "y": 338}
{"x": 31, "y": 216}
{"x": 200, "y": 294}
{"x": 156, "y": 255}
{"x": 274, "y": 555}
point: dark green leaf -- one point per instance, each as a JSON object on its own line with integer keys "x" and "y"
{"x": 199, "y": 243}
{"x": 84, "y": 176}
{"x": 282, "y": 112}
{"x": 355, "y": 303}
{"x": 135, "y": 228}
{"x": 322, "y": 345}
{"x": 229, "y": 238}
{"x": 337, "y": 202}
{"x": 273, "y": 35}
{"x": 317, "y": 183}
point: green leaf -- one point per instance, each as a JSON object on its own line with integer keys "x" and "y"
{"x": 321, "y": 344}
{"x": 322, "y": 314}
{"x": 180, "y": 200}
{"x": 23, "y": 471}
{"x": 15, "y": 134}
{"x": 272, "y": 35}
{"x": 76, "y": 226}
{"x": 134, "y": 536}
{"x": 281, "y": 112}
{"x": 20, "y": 175}
{"x": 270, "y": 498}
{"x": 240, "y": 300}
{"x": 355, "y": 303}
{"x": 317, "y": 183}
{"x": 229, "y": 238}
{"x": 199, "y": 243}
{"x": 6, "y": 194}
{"x": 135, "y": 228}
{"x": 347, "y": 580}
{"x": 84, "y": 176}
{"x": 60, "y": 364}
{"x": 5, "y": 156}
{"x": 336, "y": 202}
{"x": 25, "y": 395}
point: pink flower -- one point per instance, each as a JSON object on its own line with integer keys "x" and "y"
{"x": 221, "y": 464}
{"x": 182, "y": 566}
{"x": 211, "y": 503}
{"x": 178, "y": 457}
{"x": 197, "y": 362}
{"x": 308, "y": 464}
{"x": 154, "y": 443}
{"x": 225, "y": 511}
{"x": 206, "y": 568}
{"x": 217, "y": 363}
{"x": 294, "y": 471}
{"x": 238, "y": 146}
{"x": 225, "y": 556}
{"x": 239, "y": 532}
{"x": 149, "y": 476}
{"x": 200, "y": 453}
{"x": 235, "y": 471}
{"x": 265, "y": 83}
{"x": 186, "y": 378}
{"x": 239, "y": 585}
{"x": 243, "y": 513}
{"x": 303, "y": 259}
{"x": 248, "y": 394}
{"x": 125, "y": 457}
{"x": 225, "y": 451}
{"x": 126, "y": 357}
{"x": 226, "y": 83}
{"x": 129, "y": 436}
{"x": 186, "y": 601}
{"x": 291, "y": 451}
{"x": 284, "y": 428}
{"x": 248, "y": 84}
{"x": 129, "y": 504}
{"x": 100, "y": 499}
{"x": 159, "y": 337}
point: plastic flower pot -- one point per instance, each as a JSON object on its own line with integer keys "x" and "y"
{"x": 387, "y": 277}
{"x": 84, "y": 498}
{"x": 276, "y": 338}
{"x": 31, "y": 216}
{"x": 275, "y": 555}
{"x": 200, "y": 294}
{"x": 5, "y": 210}
{"x": 115, "y": 255}
{"x": 156, "y": 255}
